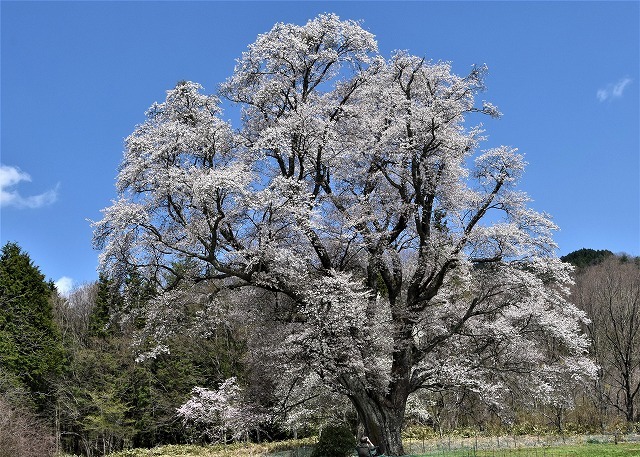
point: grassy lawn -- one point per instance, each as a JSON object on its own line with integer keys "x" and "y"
{"x": 280, "y": 450}
{"x": 576, "y": 450}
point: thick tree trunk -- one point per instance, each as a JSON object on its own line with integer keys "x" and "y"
{"x": 382, "y": 424}
{"x": 383, "y": 415}
{"x": 630, "y": 410}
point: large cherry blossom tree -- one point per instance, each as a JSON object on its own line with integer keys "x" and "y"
{"x": 354, "y": 213}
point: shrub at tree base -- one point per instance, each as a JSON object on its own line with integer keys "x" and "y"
{"x": 335, "y": 441}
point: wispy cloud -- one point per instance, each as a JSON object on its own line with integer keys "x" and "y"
{"x": 10, "y": 177}
{"x": 64, "y": 286}
{"x": 614, "y": 90}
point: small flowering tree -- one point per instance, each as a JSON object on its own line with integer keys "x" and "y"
{"x": 220, "y": 414}
{"x": 355, "y": 220}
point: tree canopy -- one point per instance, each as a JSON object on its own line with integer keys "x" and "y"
{"x": 583, "y": 258}
{"x": 30, "y": 343}
{"x": 354, "y": 215}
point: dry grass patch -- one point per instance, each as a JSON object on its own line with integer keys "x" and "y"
{"x": 231, "y": 450}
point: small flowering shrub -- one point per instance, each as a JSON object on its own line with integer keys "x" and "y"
{"x": 219, "y": 415}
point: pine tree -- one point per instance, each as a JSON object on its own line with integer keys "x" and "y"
{"x": 105, "y": 305}
{"x": 30, "y": 342}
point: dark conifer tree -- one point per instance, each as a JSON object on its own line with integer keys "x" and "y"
{"x": 106, "y": 304}
{"x": 583, "y": 258}
{"x": 30, "y": 342}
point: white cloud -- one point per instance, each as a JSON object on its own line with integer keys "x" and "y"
{"x": 64, "y": 286}
{"x": 9, "y": 196}
{"x": 613, "y": 90}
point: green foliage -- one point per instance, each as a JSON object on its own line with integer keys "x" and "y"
{"x": 93, "y": 399}
{"x": 108, "y": 423}
{"x": 107, "y": 302}
{"x": 30, "y": 342}
{"x": 12, "y": 390}
{"x": 137, "y": 293}
{"x": 583, "y": 258}
{"x": 335, "y": 441}
{"x": 161, "y": 385}
{"x": 109, "y": 401}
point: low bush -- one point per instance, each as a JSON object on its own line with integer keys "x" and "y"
{"x": 335, "y": 441}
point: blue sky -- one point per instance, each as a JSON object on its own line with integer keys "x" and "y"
{"x": 76, "y": 77}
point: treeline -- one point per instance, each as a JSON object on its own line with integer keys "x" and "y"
{"x": 68, "y": 367}
{"x": 607, "y": 288}
{"x": 72, "y": 378}
{"x": 105, "y": 399}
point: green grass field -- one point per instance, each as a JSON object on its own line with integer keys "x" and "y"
{"x": 582, "y": 450}
{"x": 575, "y": 450}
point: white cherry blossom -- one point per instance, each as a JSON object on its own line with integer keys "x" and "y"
{"x": 355, "y": 219}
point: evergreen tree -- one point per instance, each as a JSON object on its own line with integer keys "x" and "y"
{"x": 30, "y": 343}
{"x": 107, "y": 301}
{"x": 583, "y": 258}
{"x": 106, "y": 400}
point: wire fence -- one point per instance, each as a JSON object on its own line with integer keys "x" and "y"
{"x": 509, "y": 446}
{"x": 496, "y": 446}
